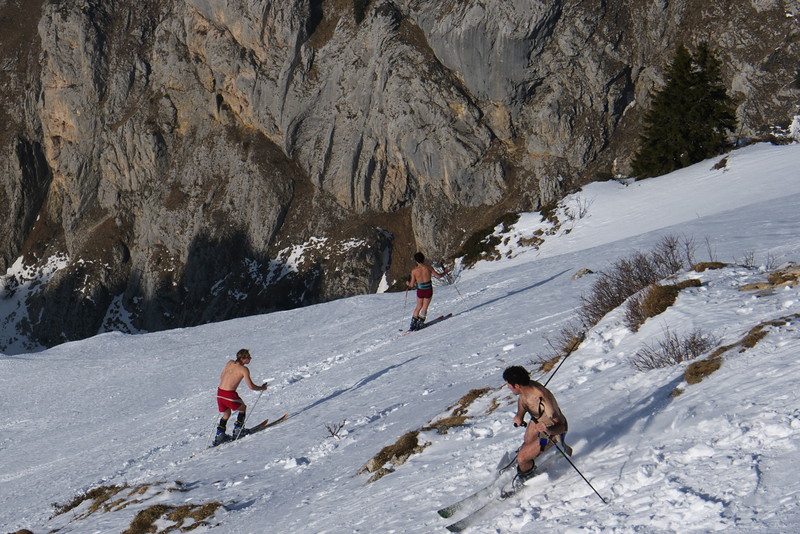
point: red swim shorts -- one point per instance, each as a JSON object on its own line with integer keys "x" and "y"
{"x": 424, "y": 293}
{"x": 228, "y": 399}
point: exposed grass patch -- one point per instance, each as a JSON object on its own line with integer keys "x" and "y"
{"x": 658, "y": 299}
{"x": 697, "y": 371}
{"x": 756, "y": 334}
{"x": 98, "y": 496}
{"x": 444, "y": 424}
{"x": 464, "y": 402}
{"x": 408, "y": 444}
{"x": 708, "y": 266}
{"x": 785, "y": 277}
{"x": 397, "y": 453}
{"x": 653, "y": 301}
{"x": 104, "y": 501}
{"x": 145, "y": 520}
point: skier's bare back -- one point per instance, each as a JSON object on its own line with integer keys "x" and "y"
{"x": 232, "y": 375}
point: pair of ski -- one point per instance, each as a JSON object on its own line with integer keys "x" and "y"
{"x": 481, "y": 503}
{"x": 429, "y": 323}
{"x": 263, "y": 425}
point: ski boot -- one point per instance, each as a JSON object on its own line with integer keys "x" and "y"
{"x": 521, "y": 477}
{"x": 221, "y": 437}
{"x": 239, "y": 432}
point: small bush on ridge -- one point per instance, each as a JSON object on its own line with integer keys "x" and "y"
{"x": 653, "y": 301}
{"x": 630, "y": 275}
{"x": 672, "y": 350}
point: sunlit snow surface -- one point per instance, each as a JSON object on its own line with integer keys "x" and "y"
{"x": 137, "y": 410}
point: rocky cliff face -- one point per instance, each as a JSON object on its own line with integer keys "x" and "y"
{"x": 179, "y": 154}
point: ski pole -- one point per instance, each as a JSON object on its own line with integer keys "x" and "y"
{"x": 213, "y": 430}
{"x": 247, "y": 415}
{"x": 579, "y": 339}
{"x": 405, "y": 302}
{"x": 567, "y": 458}
{"x": 557, "y": 368}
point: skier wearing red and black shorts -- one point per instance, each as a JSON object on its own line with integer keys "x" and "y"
{"x": 421, "y": 279}
{"x": 228, "y": 401}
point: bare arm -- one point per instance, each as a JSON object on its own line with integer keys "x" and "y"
{"x": 250, "y": 383}
{"x": 550, "y": 419}
{"x": 519, "y": 418}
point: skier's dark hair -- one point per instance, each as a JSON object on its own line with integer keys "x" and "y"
{"x": 419, "y": 257}
{"x": 243, "y": 354}
{"x": 517, "y": 376}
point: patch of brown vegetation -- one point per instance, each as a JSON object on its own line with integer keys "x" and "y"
{"x": 397, "y": 453}
{"x": 546, "y": 365}
{"x": 198, "y": 513}
{"x": 692, "y": 282}
{"x": 721, "y": 164}
{"x": 534, "y": 241}
{"x": 786, "y": 277}
{"x": 658, "y": 298}
{"x": 654, "y": 301}
{"x": 444, "y": 424}
{"x": 145, "y": 520}
{"x": 482, "y": 245}
{"x": 672, "y": 349}
{"x": 629, "y": 276}
{"x": 98, "y": 495}
{"x": 708, "y": 265}
{"x": 756, "y": 334}
{"x": 697, "y": 371}
{"x": 408, "y": 444}
{"x": 464, "y": 402}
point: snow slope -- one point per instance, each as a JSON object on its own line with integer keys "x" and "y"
{"x": 137, "y": 411}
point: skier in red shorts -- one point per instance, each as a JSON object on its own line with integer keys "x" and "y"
{"x": 228, "y": 400}
{"x": 421, "y": 279}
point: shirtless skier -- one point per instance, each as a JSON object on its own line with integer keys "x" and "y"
{"x": 228, "y": 400}
{"x": 421, "y": 279}
{"x": 547, "y": 421}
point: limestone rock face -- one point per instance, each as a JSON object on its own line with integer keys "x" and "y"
{"x": 195, "y": 160}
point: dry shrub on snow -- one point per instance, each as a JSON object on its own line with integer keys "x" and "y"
{"x": 653, "y": 301}
{"x": 628, "y": 276}
{"x": 672, "y": 350}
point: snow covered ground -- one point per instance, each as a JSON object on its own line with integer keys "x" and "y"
{"x": 135, "y": 413}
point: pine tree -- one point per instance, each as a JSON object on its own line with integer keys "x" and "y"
{"x": 689, "y": 117}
